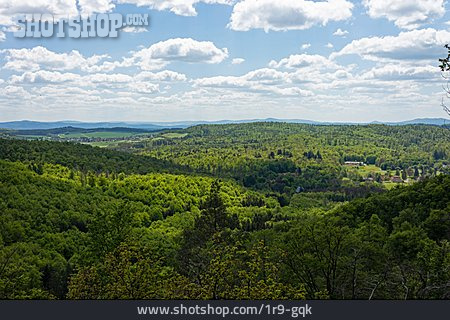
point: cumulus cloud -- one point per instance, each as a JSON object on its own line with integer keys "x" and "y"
{"x": 97, "y": 79}
{"x": 406, "y": 14}
{"x": 41, "y": 58}
{"x": 416, "y": 45}
{"x": 264, "y": 76}
{"x": 263, "y": 80}
{"x": 91, "y": 6}
{"x": 106, "y": 79}
{"x": 130, "y": 29}
{"x": 340, "y": 33}
{"x": 43, "y": 76}
{"x": 117, "y": 84}
{"x": 317, "y": 73}
{"x": 285, "y": 15}
{"x": 183, "y": 8}
{"x": 2, "y": 36}
{"x": 329, "y": 45}
{"x": 11, "y": 8}
{"x": 64, "y": 8}
{"x": 298, "y": 61}
{"x": 164, "y": 76}
{"x": 188, "y": 50}
{"x": 237, "y": 61}
{"x": 144, "y": 87}
{"x": 305, "y": 46}
{"x": 293, "y": 91}
{"x": 155, "y": 57}
{"x": 14, "y": 91}
{"x": 396, "y": 72}
{"x": 222, "y": 82}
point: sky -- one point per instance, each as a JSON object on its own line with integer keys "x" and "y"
{"x": 329, "y": 60}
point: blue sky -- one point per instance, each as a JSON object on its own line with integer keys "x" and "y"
{"x": 329, "y": 60}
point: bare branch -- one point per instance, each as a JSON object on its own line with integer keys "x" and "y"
{"x": 444, "y": 106}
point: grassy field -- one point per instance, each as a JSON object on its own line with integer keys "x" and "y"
{"x": 174, "y": 135}
{"x": 370, "y": 168}
{"x": 366, "y": 170}
{"x": 103, "y": 144}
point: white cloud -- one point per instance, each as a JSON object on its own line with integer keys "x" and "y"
{"x": 285, "y": 15}
{"x": 106, "y": 79}
{"x": 165, "y": 76}
{"x": 249, "y": 80}
{"x": 144, "y": 87}
{"x": 43, "y": 76}
{"x": 130, "y": 29}
{"x": 221, "y": 82}
{"x": 64, "y": 8}
{"x": 306, "y": 46}
{"x": 329, "y": 45}
{"x": 98, "y": 79}
{"x": 183, "y": 7}
{"x": 245, "y": 85}
{"x": 41, "y": 58}
{"x": 298, "y": 61}
{"x": 91, "y": 6}
{"x": 293, "y": 91}
{"x": 318, "y": 74}
{"x": 266, "y": 76}
{"x": 188, "y": 50}
{"x": 60, "y": 8}
{"x": 156, "y": 57}
{"x": 252, "y": 79}
{"x": 11, "y": 8}
{"x": 14, "y": 91}
{"x": 396, "y": 72}
{"x": 237, "y": 61}
{"x": 340, "y": 33}
{"x": 408, "y": 14}
{"x": 264, "y": 80}
{"x": 416, "y": 45}
{"x": 70, "y": 87}
{"x": 2, "y": 36}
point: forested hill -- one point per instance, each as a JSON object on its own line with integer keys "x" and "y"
{"x": 175, "y": 237}
{"x": 249, "y": 211}
{"x": 83, "y": 157}
{"x": 425, "y": 204}
{"x": 282, "y": 157}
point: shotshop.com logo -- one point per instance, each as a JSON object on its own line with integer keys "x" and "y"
{"x": 96, "y": 25}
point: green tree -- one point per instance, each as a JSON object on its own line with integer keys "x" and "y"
{"x": 109, "y": 227}
{"x": 130, "y": 272}
{"x": 316, "y": 253}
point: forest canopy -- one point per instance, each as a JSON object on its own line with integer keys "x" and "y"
{"x": 249, "y": 211}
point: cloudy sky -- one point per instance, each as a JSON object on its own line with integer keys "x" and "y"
{"x": 329, "y": 60}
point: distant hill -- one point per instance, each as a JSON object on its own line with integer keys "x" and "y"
{"x": 37, "y": 125}
{"x": 428, "y": 121}
{"x": 154, "y": 126}
{"x": 74, "y": 130}
{"x": 431, "y": 121}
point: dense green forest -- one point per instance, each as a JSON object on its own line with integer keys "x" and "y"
{"x": 282, "y": 157}
{"x": 248, "y": 211}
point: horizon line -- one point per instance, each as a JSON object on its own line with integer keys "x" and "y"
{"x": 223, "y": 120}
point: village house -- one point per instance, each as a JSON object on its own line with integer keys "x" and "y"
{"x": 397, "y": 179}
{"x": 354, "y": 163}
